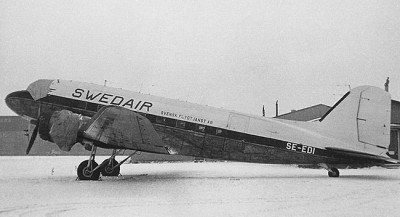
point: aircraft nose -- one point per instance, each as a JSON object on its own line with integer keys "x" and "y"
{"x": 22, "y": 103}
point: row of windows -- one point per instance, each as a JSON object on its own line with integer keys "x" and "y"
{"x": 208, "y": 129}
{"x": 184, "y": 125}
{"x": 164, "y": 121}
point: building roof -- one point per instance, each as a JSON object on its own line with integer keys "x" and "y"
{"x": 13, "y": 123}
{"x": 306, "y": 114}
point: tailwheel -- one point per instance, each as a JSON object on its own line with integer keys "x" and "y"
{"x": 86, "y": 170}
{"x": 333, "y": 172}
{"x": 110, "y": 168}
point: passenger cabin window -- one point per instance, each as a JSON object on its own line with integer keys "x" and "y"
{"x": 170, "y": 122}
{"x": 160, "y": 120}
{"x": 180, "y": 124}
{"x": 201, "y": 128}
{"x": 210, "y": 130}
{"x": 190, "y": 126}
{"x": 220, "y": 132}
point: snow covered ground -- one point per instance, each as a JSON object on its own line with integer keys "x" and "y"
{"x": 46, "y": 186}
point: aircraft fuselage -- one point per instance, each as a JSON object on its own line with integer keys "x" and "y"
{"x": 190, "y": 129}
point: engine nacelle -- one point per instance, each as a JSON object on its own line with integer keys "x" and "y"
{"x": 61, "y": 127}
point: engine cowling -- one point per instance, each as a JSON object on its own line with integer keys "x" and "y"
{"x": 62, "y": 127}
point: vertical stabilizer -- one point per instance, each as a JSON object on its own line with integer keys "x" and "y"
{"x": 361, "y": 120}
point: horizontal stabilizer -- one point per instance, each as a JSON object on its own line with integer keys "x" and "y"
{"x": 362, "y": 155}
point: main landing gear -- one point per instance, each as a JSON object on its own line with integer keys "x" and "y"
{"x": 90, "y": 170}
{"x": 332, "y": 171}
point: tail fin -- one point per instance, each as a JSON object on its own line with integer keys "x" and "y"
{"x": 361, "y": 120}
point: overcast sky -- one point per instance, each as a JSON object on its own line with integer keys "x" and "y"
{"x": 233, "y": 54}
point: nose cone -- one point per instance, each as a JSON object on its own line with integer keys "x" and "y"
{"x": 22, "y": 103}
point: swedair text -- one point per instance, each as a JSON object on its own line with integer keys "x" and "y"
{"x": 112, "y": 99}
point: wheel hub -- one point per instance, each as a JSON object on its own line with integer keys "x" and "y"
{"x": 108, "y": 169}
{"x": 87, "y": 172}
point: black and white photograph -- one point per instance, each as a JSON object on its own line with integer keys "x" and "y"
{"x": 182, "y": 108}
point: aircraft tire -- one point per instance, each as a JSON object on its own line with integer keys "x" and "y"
{"x": 85, "y": 173}
{"x": 106, "y": 170}
{"x": 334, "y": 173}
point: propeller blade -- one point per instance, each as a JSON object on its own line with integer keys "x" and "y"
{"x": 33, "y": 137}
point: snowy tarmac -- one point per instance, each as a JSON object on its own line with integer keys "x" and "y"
{"x": 46, "y": 186}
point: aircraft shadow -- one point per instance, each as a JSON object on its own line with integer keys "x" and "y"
{"x": 183, "y": 176}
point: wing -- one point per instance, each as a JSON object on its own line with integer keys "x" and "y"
{"x": 122, "y": 128}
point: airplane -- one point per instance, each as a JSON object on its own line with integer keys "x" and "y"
{"x": 355, "y": 132}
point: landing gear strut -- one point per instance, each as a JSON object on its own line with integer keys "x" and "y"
{"x": 332, "y": 171}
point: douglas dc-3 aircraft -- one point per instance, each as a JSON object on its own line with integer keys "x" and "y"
{"x": 355, "y": 132}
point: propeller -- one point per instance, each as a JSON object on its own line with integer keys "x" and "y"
{"x": 33, "y": 137}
